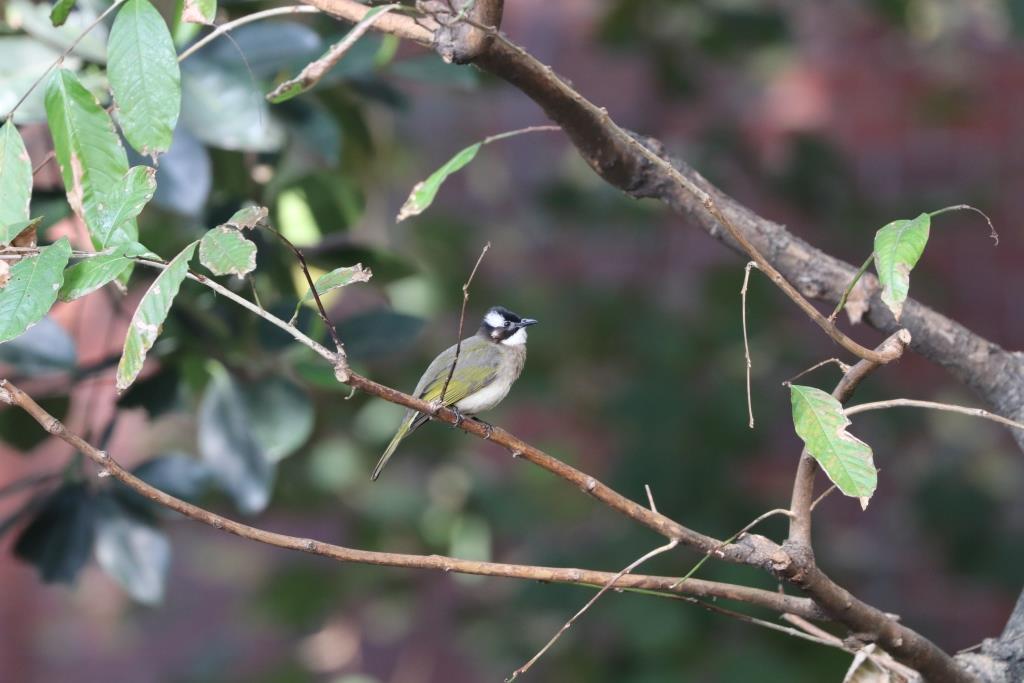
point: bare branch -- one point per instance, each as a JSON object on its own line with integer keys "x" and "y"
{"x": 241, "y": 21}
{"x": 932, "y": 405}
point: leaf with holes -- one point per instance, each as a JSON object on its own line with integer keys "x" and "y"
{"x": 247, "y": 218}
{"x": 32, "y": 289}
{"x": 225, "y": 252}
{"x": 339, "y": 277}
{"x": 898, "y": 246}
{"x": 423, "y": 193}
{"x": 15, "y": 178}
{"x": 144, "y": 77}
{"x": 150, "y": 315}
{"x": 92, "y": 162}
{"x": 821, "y": 423}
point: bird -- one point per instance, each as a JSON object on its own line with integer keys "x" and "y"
{"x": 488, "y": 365}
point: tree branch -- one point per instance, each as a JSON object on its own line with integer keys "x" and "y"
{"x": 803, "y": 483}
{"x": 778, "y": 602}
{"x": 995, "y": 374}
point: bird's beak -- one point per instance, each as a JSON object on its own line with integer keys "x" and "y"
{"x": 526, "y": 322}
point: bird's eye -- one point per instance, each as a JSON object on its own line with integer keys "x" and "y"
{"x": 508, "y": 323}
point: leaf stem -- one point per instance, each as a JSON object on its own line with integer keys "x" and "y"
{"x": 849, "y": 288}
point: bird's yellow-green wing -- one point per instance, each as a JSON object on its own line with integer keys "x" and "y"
{"x": 477, "y": 368}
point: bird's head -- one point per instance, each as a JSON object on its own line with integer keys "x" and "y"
{"x": 502, "y": 326}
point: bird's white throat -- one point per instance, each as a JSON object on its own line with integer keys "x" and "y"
{"x": 517, "y": 339}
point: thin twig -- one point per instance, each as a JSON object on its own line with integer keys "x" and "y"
{"x": 932, "y": 405}
{"x": 967, "y": 207}
{"x": 341, "y": 361}
{"x": 822, "y": 497}
{"x": 315, "y": 70}
{"x": 63, "y": 55}
{"x": 462, "y": 320}
{"x": 650, "y": 498}
{"x": 716, "y": 550}
{"x": 746, "y": 344}
{"x": 50, "y": 156}
{"x": 249, "y": 18}
{"x": 849, "y": 288}
{"x": 843, "y": 367}
{"x": 884, "y": 659}
{"x": 520, "y": 131}
{"x": 565, "y": 627}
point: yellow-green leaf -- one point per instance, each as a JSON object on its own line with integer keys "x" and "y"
{"x": 339, "y": 277}
{"x": 15, "y": 178}
{"x": 898, "y": 247}
{"x": 150, "y": 315}
{"x": 821, "y": 423}
{"x": 423, "y": 192}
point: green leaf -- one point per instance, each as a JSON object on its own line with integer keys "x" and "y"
{"x": 821, "y": 423}
{"x": 15, "y": 178}
{"x": 339, "y": 277}
{"x": 229, "y": 447}
{"x": 898, "y": 246}
{"x": 150, "y": 315}
{"x": 61, "y": 10}
{"x": 32, "y": 289}
{"x": 423, "y": 193}
{"x": 99, "y": 185}
{"x": 90, "y": 274}
{"x": 60, "y": 538}
{"x": 144, "y": 77}
{"x": 199, "y": 11}
{"x": 225, "y": 252}
{"x": 133, "y": 552}
{"x": 248, "y": 217}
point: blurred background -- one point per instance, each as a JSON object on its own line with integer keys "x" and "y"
{"x": 832, "y": 118}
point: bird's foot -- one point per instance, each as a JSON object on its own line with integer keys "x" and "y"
{"x": 459, "y": 417}
{"x": 435, "y": 407}
{"x": 488, "y": 428}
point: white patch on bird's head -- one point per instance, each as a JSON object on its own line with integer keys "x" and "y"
{"x": 494, "y": 318}
{"x": 517, "y": 339}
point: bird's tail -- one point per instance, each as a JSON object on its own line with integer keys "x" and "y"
{"x": 407, "y": 426}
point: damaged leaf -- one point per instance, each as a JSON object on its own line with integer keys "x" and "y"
{"x": 225, "y": 252}
{"x": 821, "y": 423}
{"x": 149, "y": 317}
{"x": 339, "y": 277}
{"x": 423, "y": 193}
{"x": 15, "y": 178}
{"x": 247, "y": 218}
{"x": 199, "y": 11}
{"x": 898, "y": 247}
{"x": 32, "y": 289}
